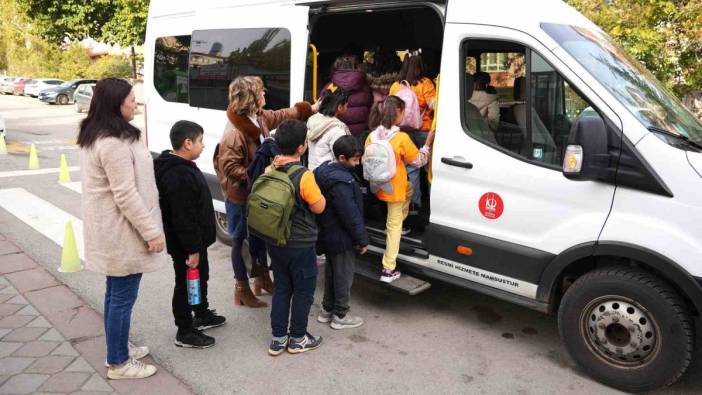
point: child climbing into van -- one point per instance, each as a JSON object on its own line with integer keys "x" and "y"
{"x": 324, "y": 128}
{"x": 387, "y": 174}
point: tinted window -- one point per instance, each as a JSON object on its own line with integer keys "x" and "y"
{"x": 171, "y": 68}
{"x": 219, "y": 56}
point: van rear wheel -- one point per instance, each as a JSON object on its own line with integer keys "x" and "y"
{"x": 221, "y": 225}
{"x": 627, "y": 328}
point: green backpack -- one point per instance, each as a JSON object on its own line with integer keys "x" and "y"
{"x": 271, "y": 204}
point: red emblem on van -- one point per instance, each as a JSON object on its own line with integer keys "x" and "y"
{"x": 491, "y": 205}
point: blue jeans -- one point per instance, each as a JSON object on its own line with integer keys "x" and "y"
{"x": 120, "y": 295}
{"x": 295, "y": 274}
{"x": 236, "y": 225}
{"x": 419, "y": 138}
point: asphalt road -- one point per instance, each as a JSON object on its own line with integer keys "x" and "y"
{"x": 446, "y": 340}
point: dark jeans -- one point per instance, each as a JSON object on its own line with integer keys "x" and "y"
{"x": 236, "y": 224}
{"x": 338, "y": 277}
{"x": 419, "y": 138}
{"x": 120, "y": 295}
{"x": 182, "y": 311}
{"x": 295, "y": 274}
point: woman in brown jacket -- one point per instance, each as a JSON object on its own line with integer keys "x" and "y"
{"x": 247, "y": 125}
{"x": 121, "y": 216}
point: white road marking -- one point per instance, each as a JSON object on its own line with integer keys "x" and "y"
{"x": 74, "y": 186}
{"x": 41, "y": 215}
{"x": 22, "y": 173}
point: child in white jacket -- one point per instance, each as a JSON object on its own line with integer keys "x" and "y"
{"x": 325, "y": 127}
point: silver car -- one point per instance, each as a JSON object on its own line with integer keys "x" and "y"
{"x": 82, "y": 97}
{"x": 7, "y": 85}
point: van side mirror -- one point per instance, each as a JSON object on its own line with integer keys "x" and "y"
{"x": 587, "y": 155}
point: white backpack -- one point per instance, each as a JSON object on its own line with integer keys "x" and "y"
{"x": 379, "y": 165}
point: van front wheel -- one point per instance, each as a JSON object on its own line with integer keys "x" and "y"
{"x": 627, "y": 329}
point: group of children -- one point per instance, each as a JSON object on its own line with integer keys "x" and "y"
{"x": 327, "y": 217}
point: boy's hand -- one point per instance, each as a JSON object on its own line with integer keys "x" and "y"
{"x": 193, "y": 260}
{"x": 362, "y": 250}
{"x": 155, "y": 245}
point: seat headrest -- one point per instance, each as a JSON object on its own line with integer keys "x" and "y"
{"x": 468, "y": 87}
{"x": 520, "y": 88}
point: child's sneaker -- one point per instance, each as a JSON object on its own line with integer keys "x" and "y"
{"x": 307, "y": 343}
{"x": 324, "y": 316}
{"x": 133, "y": 369}
{"x": 209, "y": 319}
{"x": 349, "y": 321}
{"x": 194, "y": 339}
{"x": 389, "y": 276}
{"x": 277, "y": 346}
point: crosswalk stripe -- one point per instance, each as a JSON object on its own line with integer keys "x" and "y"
{"x": 22, "y": 173}
{"x": 74, "y": 186}
{"x": 41, "y": 215}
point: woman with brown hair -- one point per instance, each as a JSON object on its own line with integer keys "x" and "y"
{"x": 121, "y": 216}
{"x": 247, "y": 125}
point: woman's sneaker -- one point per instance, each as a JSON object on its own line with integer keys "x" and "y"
{"x": 324, "y": 316}
{"x": 307, "y": 343}
{"x": 136, "y": 352}
{"x": 194, "y": 339}
{"x": 389, "y": 276}
{"x": 209, "y": 319}
{"x": 133, "y": 369}
{"x": 277, "y": 346}
{"x": 349, "y": 321}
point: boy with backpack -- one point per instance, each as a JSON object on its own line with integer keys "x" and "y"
{"x": 281, "y": 210}
{"x": 188, "y": 221}
{"x": 342, "y": 230}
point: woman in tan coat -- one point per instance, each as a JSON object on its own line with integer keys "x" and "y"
{"x": 247, "y": 125}
{"x": 121, "y": 216}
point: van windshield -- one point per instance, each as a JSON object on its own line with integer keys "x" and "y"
{"x": 628, "y": 80}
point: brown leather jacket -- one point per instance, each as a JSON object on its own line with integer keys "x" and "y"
{"x": 239, "y": 142}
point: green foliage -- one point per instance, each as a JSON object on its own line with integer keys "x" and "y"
{"x": 56, "y": 20}
{"x": 127, "y": 26}
{"x": 74, "y": 63}
{"x": 110, "y": 66}
{"x": 666, "y": 35}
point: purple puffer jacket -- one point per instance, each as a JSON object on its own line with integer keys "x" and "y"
{"x": 360, "y": 98}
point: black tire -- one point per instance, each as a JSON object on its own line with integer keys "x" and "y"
{"x": 222, "y": 232}
{"x": 626, "y": 310}
{"x": 62, "y": 100}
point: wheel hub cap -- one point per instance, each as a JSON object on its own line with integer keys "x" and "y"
{"x": 620, "y": 331}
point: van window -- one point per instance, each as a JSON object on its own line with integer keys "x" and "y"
{"x": 537, "y": 106}
{"x": 219, "y": 56}
{"x": 171, "y": 68}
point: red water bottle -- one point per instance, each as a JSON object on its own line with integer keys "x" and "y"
{"x": 193, "y": 276}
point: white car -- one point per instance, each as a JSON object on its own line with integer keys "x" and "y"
{"x": 2, "y": 125}
{"x": 39, "y": 85}
{"x": 7, "y": 84}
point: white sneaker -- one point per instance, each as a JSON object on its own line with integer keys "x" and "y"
{"x": 133, "y": 369}
{"x": 136, "y": 352}
{"x": 324, "y": 316}
{"x": 349, "y": 321}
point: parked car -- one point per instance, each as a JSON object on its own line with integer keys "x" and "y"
{"x": 7, "y": 85}
{"x": 63, "y": 94}
{"x": 34, "y": 88}
{"x": 20, "y": 85}
{"x": 83, "y": 96}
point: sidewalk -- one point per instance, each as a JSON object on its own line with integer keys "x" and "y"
{"x": 53, "y": 342}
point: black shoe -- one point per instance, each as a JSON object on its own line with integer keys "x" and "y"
{"x": 209, "y": 319}
{"x": 277, "y": 347}
{"x": 194, "y": 339}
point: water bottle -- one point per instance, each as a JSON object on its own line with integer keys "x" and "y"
{"x": 193, "y": 276}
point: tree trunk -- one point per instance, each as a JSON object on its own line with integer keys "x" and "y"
{"x": 134, "y": 65}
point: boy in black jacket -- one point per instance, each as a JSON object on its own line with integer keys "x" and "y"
{"x": 342, "y": 230}
{"x": 188, "y": 221}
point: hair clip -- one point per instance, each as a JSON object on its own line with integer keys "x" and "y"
{"x": 332, "y": 88}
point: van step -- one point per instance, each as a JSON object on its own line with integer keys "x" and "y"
{"x": 405, "y": 284}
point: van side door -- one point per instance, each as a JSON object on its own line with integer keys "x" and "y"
{"x": 500, "y": 203}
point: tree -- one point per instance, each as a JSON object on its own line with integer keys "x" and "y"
{"x": 128, "y": 26}
{"x": 666, "y": 35}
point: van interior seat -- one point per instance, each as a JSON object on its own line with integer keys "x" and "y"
{"x": 475, "y": 122}
{"x": 540, "y": 135}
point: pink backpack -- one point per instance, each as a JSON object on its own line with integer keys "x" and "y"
{"x": 413, "y": 117}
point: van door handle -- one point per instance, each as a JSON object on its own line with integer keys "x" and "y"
{"x": 457, "y": 163}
